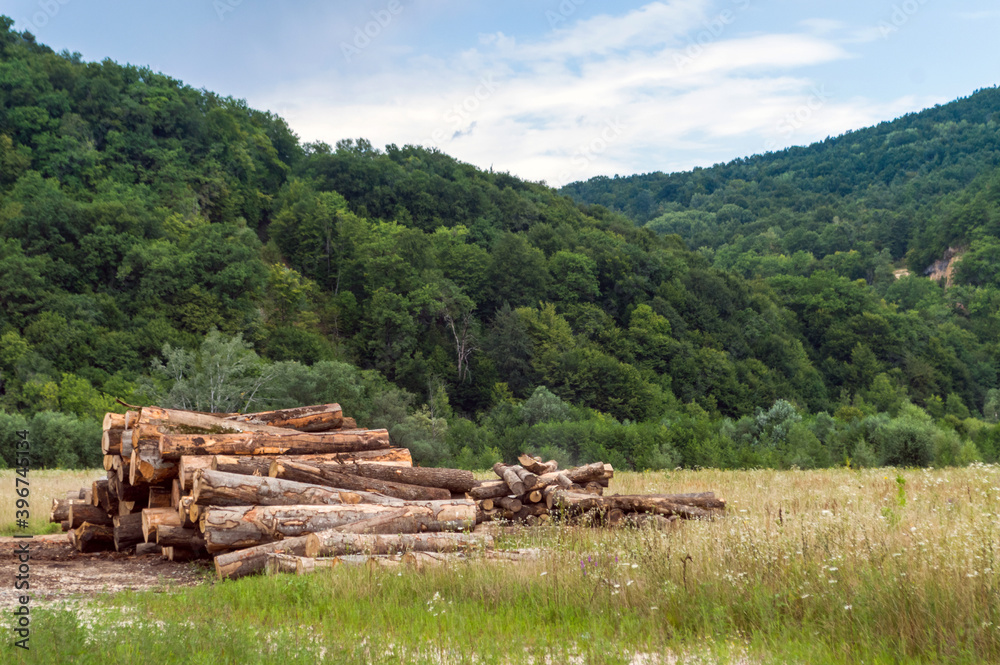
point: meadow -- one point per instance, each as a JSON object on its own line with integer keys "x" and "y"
{"x": 831, "y": 566}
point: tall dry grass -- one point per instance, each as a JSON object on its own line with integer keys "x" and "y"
{"x": 45, "y": 485}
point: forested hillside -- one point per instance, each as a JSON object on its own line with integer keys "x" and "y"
{"x": 163, "y": 244}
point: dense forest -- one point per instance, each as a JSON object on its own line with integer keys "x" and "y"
{"x": 162, "y": 244}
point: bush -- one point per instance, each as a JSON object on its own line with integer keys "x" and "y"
{"x": 905, "y": 441}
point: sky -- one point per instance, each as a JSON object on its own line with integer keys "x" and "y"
{"x": 552, "y": 90}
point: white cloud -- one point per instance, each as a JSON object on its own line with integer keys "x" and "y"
{"x": 631, "y": 93}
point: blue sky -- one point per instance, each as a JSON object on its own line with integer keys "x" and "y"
{"x": 554, "y": 90}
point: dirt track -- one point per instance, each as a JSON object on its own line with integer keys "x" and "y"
{"x": 58, "y": 571}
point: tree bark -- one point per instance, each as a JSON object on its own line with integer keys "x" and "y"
{"x": 454, "y": 480}
{"x": 176, "y": 536}
{"x": 240, "y": 563}
{"x": 103, "y": 498}
{"x": 183, "y": 512}
{"x": 317, "y": 418}
{"x": 316, "y": 475}
{"x": 111, "y": 441}
{"x": 489, "y": 489}
{"x": 175, "y": 493}
{"x": 529, "y": 479}
{"x": 128, "y": 531}
{"x": 581, "y": 502}
{"x": 186, "y": 467}
{"x": 247, "y": 526}
{"x": 60, "y": 509}
{"x": 336, "y": 543}
{"x": 94, "y": 537}
{"x": 216, "y": 488}
{"x": 282, "y": 563}
{"x": 261, "y": 464}
{"x": 148, "y": 465}
{"x": 706, "y": 500}
{"x": 536, "y": 465}
{"x": 155, "y": 416}
{"x": 143, "y": 549}
{"x": 82, "y": 512}
{"x": 113, "y": 420}
{"x": 507, "y": 474}
{"x": 152, "y": 518}
{"x": 172, "y": 446}
{"x": 509, "y": 503}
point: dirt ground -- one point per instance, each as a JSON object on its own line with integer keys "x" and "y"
{"x": 59, "y": 572}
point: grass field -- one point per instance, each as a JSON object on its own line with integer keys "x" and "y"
{"x": 874, "y": 566}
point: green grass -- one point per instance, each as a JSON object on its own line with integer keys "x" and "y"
{"x": 856, "y": 567}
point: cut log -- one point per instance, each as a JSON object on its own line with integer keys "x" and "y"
{"x": 175, "y": 493}
{"x": 315, "y": 475}
{"x": 580, "y": 474}
{"x": 282, "y": 563}
{"x": 152, "y": 518}
{"x": 143, "y": 549}
{"x": 64, "y": 525}
{"x": 131, "y": 417}
{"x": 81, "y": 512}
{"x": 183, "y": 512}
{"x": 507, "y": 474}
{"x": 247, "y": 526}
{"x": 261, "y": 464}
{"x": 155, "y": 416}
{"x": 530, "y": 510}
{"x": 455, "y": 480}
{"x": 188, "y": 464}
{"x": 317, "y": 418}
{"x": 103, "y": 498}
{"x": 243, "y": 562}
{"x": 536, "y": 465}
{"x": 127, "y": 437}
{"x": 509, "y": 503}
{"x": 529, "y": 479}
{"x": 534, "y": 496}
{"x": 706, "y": 500}
{"x": 194, "y": 514}
{"x": 113, "y": 420}
{"x": 176, "y": 536}
{"x": 94, "y": 537}
{"x": 216, "y": 488}
{"x": 109, "y": 462}
{"x": 128, "y": 531}
{"x": 60, "y": 509}
{"x": 336, "y": 543}
{"x": 348, "y": 423}
{"x": 148, "y": 465}
{"x": 173, "y": 446}
{"x": 489, "y": 489}
{"x": 159, "y": 497}
{"x": 580, "y": 502}
{"x": 111, "y": 441}
{"x": 486, "y": 505}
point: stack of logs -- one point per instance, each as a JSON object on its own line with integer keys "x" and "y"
{"x": 278, "y": 486}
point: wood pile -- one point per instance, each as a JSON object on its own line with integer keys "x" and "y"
{"x": 305, "y": 488}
